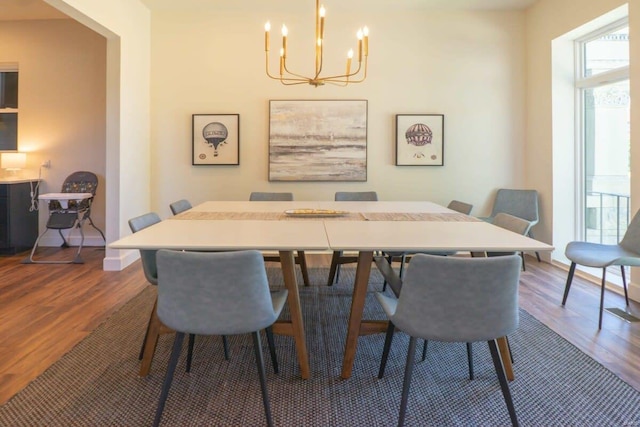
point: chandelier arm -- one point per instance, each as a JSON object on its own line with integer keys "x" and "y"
{"x": 345, "y": 77}
{"x": 294, "y": 74}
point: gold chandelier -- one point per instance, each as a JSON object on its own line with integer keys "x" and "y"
{"x": 287, "y": 77}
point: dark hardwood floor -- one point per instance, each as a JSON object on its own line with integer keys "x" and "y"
{"x": 47, "y": 309}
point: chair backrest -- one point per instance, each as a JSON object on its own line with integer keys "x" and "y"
{"x": 459, "y": 299}
{"x": 80, "y": 182}
{"x": 261, "y": 196}
{"x": 631, "y": 239}
{"x": 180, "y": 206}
{"x": 459, "y": 206}
{"x": 520, "y": 203}
{"x": 77, "y": 182}
{"x": 512, "y": 223}
{"x": 356, "y": 196}
{"x": 214, "y": 293}
{"x": 148, "y": 257}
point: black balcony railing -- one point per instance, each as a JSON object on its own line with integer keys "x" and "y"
{"x": 607, "y": 217}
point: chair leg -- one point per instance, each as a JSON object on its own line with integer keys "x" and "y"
{"x": 225, "y": 346}
{"x": 424, "y": 349}
{"x": 334, "y": 266}
{"x": 272, "y": 349}
{"x": 390, "y": 261}
{"x": 406, "y": 384}
{"x": 302, "y": 260}
{"x": 263, "y": 380}
{"x": 470, "y": 359}
{"x": 624, "y": 284}
{"x": 192, "y": 340}
{"x": 94, "y": 226}
{"x": 502, "y": 378}
{"x": 173, "y": 361}
{"x": 403, "y": 259}
{"x": 146, "y": 334}
{"x": 572, "y": 270}
{"x": 604, "y": 274}
{"x": 385, "y": 352}
{"x": 530, "y": 234}
{"x": 524, "y": 266}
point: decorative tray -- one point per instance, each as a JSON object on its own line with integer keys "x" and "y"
{"x": 310, "y": 213}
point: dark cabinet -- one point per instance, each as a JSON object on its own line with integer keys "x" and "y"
{"x": 18, "y": 224}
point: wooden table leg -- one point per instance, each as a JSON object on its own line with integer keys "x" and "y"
{"x": 151, "y": 341}
{"x": 357, "y": 307}
{"x": 505, "y": 355}
{"x": 296, "y": 325}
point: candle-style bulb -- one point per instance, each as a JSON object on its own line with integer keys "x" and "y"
{"x": 365, "y": 31}
{"x": 323, "y": 11}
{"x": 285, "y": 31}
{"x": 267, "y": 26}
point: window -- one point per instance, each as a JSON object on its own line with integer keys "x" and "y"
{"x": 8, "y": 109}
{"x": 604, "y": 140}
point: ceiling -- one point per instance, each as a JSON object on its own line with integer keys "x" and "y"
{"x": 12, "y": 10}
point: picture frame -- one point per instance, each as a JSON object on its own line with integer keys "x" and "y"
{"x": 215, "y": 139}
{"x": 318, "y": 140}
{"x": 419, "y": 139}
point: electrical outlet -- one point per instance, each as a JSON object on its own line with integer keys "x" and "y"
{"x": 46, "y": 164}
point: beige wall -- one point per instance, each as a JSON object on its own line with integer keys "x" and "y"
{"x": 62, "y": 104}
{"x": 468, "y": 66}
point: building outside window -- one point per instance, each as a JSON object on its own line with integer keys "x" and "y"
{"x": 604, "y": 114}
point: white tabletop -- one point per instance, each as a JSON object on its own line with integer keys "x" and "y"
{"x": 321, "y": 234}
{"x": 414, "y": 236}
{"x": 228, "y": 235}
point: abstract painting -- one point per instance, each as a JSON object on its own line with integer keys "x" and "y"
{"x": 320, "y": 140}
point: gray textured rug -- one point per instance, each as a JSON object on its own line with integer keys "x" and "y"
{"x": 96, "y": 383}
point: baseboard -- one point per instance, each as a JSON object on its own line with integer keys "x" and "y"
{"x": 121, "y": 261}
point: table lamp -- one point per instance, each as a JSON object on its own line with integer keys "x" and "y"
{"x": 13, "y": 162}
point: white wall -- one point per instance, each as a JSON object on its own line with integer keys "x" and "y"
{"x": 546, "y": 21}
{"x": 468, "y": 66}
{"x": 126, "y": 26}
{"x": 62, "y": 105}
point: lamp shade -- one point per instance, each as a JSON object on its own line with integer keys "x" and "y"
{"x": 13, "y": 161}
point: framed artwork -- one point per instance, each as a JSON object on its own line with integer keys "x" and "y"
{"x": 320, "y": 140}
{"x": 216, "y": 139}
{"x": 419, "y": 139}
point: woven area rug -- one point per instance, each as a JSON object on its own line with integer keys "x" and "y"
{"x": 96, "y": 383}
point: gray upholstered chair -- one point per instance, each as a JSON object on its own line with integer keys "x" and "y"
{"x": 338, "y": 258}
{"x": 148, "y": 259}
{"x": 455, "y": 205}
{"x": 520, "y": 203}
{"x": 263, "y": 196}
{"x": 216, "y": 293}
{"x": 625, "y": 253}
{"x": 150, "y": 269}
{"x": 180, "y": 206}
{"x": 300, "y": 259}
{"x": 455, "y": 299}
{"x": 511, "y": 223}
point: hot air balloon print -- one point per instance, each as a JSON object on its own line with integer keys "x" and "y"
{"x": 215, "y": 133}
{"x": 216, "y": 139}
{"x": 419, "y": 139}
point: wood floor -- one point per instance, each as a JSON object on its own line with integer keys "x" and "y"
{"x": 47, "y": 309}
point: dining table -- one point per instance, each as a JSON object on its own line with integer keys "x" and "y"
{"x": 322, "y": 226}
